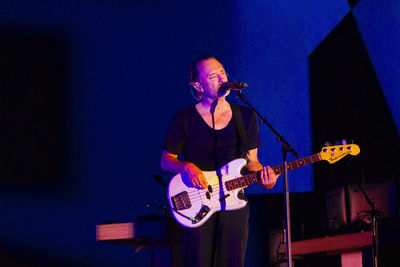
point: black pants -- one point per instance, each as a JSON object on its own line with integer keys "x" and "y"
{"x": 221, "y": 241}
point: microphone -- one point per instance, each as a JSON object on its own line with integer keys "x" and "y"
{"x": 237, "y": 86}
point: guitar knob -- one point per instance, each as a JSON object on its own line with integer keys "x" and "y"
{"x": 336, "y": 143}
{"x": 344, "y": 142}
{"x": 327, "y": 143}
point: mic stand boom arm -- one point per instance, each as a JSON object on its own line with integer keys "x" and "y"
{"x": 286, "y": 147}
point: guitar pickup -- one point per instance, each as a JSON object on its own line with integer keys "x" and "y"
{"x": 181, "y": 201}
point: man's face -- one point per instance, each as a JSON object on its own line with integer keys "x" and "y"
{"x": 211, "y": 76}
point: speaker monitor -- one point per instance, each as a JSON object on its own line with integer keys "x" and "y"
{"x": 382, "y": 193}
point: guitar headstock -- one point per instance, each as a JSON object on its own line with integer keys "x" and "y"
{"x": 333, "y": 154}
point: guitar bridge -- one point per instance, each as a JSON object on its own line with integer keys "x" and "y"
{"x": 181, "y": 201}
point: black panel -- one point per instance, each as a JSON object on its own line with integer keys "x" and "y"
{"x": 32, "y": 110}
{"x": 347, "y": 102}
{"x": 353, "y": 3}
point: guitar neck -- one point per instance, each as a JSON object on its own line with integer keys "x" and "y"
{"x": 251, "y": 178}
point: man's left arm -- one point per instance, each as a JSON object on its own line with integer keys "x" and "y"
{"x": 267, "y": 175}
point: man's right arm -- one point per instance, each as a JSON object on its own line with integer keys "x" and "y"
{"x": 170, "y": 162}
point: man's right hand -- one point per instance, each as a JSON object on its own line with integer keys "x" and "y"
{"x": 196, "y": 176}
{"x": 170, "y": 162}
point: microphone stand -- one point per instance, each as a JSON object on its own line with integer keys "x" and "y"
{"x": 286, "y": 147}
{"x": 374, "y": 225}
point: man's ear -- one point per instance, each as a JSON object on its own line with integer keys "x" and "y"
{"x": 198, "y": 87}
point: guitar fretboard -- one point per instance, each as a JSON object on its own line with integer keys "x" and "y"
{"x": 297, "y": 163}
{"x": 251, "y": 178}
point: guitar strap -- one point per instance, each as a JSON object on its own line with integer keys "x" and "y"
{"x": 237, "y": 116}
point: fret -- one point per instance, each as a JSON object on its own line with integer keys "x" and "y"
{"x": 297, "y": 164}
{"x": 246, "y": 179}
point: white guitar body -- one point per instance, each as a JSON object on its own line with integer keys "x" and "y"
{"x": 192, "y": 206}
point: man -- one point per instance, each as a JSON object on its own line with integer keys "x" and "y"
{"x": 208, "y": 137}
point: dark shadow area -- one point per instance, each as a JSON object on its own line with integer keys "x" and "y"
{"x": 33, "y": 136}
{"x": 353, "y": 3}
{"x": 308, "y": 221}
{"x": 20, "y": 256}
{"x": 348, "y": 103}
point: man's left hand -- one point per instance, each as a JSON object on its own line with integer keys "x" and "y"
{"x": 268, "y": 178}
{"x": 267, "y": 175}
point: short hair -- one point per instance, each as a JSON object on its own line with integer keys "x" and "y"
{"x": 194, "y": 70}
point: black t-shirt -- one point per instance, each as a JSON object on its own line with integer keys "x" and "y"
{"x": 190, "y": 136}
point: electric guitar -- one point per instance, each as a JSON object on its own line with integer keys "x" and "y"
{"x": 192, "y": 206}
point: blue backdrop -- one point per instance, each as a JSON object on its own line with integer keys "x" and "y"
{"x": 127, "y": 70}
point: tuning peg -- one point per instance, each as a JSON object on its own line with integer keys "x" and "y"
{"x": 327, "y": 143}
{"x": 344, "y": 142}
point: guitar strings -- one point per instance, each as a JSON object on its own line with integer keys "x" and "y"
{"x": 215, "y": 187}
{"x": 199, "y": 193}
{"x": 291, "y": 165}
{"x": 202, "y": 193}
